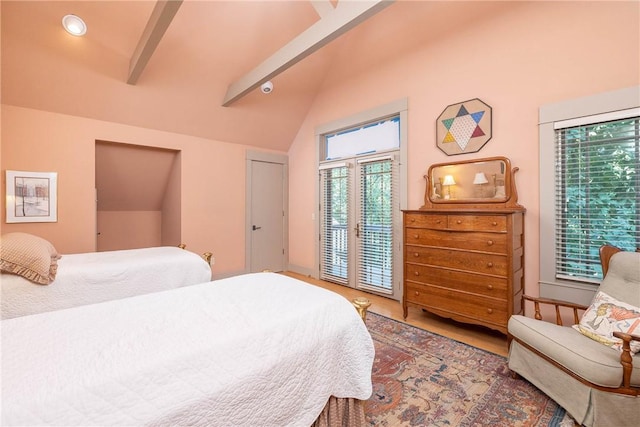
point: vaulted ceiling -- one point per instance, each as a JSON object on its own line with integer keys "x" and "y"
{"x": 210, "y": 51}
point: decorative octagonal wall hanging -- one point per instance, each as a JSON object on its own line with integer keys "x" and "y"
{"x": 464, "y": 127}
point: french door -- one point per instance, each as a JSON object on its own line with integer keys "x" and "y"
{"x": 359, "y": 223}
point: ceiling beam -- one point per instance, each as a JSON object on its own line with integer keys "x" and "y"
{"x": 159, "y": 21}
{"x": 344, "y": 17}
{"x": 322, "y": 7}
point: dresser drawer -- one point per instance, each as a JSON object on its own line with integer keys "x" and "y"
{"x": 458, "y": 259}
{"x": 495, "y": 223}
{"x": 490, "y": 242}
{"x": 457, "y": 303}
{"x": 490, "y": 286}
{"x": 425, "y": 221}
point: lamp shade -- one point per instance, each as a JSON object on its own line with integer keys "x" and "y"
{"x": 480, "y": 178}
{"x": 448, "y": 180}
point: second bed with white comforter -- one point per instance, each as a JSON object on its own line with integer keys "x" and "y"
{"x": 254, "y": 350}
{"x": 93, "y": 277}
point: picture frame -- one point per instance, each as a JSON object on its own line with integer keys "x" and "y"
{"x": 31, "y": 196}
{"x": 464, "y": 127}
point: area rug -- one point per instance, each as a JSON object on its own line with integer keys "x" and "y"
{"x": 424, "y": 379}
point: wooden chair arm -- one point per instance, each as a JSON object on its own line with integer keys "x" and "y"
{"x": 626, "y": 337}
{"x": 557, "y": 304}
{"x": 625, "y": 357}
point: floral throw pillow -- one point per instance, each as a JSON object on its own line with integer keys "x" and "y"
{"x": 607, "y": 315}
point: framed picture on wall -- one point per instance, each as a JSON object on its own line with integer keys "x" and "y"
{"x": 464, "y": 127}
{"x": 32, "y": 196}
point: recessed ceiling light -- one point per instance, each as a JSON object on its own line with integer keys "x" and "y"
{"x": 74, "y": 25}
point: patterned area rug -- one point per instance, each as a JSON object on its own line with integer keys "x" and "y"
{"x": 424, "y": 379}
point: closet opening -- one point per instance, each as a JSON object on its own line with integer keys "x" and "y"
{"x": 138, "y": 193}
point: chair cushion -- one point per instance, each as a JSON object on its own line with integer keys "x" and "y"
{"x": 585, "y": 357}
{"x": 607, "y": 315}
{"x": 622, "y": 281}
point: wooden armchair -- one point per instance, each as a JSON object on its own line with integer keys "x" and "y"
{"x": 596, "y": 384}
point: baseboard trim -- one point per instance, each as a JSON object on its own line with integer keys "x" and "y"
{"x": 303, "y": 270}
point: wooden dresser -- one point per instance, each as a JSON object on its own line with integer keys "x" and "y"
{"x": 465, "y": 261}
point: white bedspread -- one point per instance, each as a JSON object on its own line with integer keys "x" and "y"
{"x": 94, "y": 277}
{"x": 256, "y": 350}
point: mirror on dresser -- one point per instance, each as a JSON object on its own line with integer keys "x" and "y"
{"x": 464, "y": 249}
{"x": 488, "y": 180}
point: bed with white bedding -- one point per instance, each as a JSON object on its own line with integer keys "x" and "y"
{"x": 253, "y": 350}
{"x": 93, "y": 277}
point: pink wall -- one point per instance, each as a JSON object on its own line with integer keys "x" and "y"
{"x": 212, "y": 175}
{"x": 129, "y": 230}
{"x": 527, "y": 56}
{"x": 171, "y": 210}
{"x": 519, "y": 59}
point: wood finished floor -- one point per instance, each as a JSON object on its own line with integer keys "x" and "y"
{"x": 473, "y": 335}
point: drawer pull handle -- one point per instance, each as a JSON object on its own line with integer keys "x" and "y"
{"x": 490, "y": 287}
{"x": 416, "y": 273}
{"x": 438, "y": 221}
{"x": 416, "y": 254}
{"x": 490, "y": 242}
{"x": 459, "y": 221}
{"x": 413, "y": 220}
{"x": 489, "y": 264}
{"x": 415, "y": 236}
{"x": 417, "y": 293}
{"x": 494, "y": 223}
{"x": 489, "y": 310}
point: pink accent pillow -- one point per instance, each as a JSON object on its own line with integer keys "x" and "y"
{"x": 29, "y": 256}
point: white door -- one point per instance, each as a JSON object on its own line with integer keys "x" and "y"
{"x": 267, "y": 216}
{"x": 360, "y": 224}
{"x": 376, "y": 225}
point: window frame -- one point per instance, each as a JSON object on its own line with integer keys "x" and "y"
{"x": 395, "y": 108}
{"x": 549, "y": 116}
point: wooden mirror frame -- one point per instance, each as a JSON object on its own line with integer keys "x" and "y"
{"x": 434, "y": 196}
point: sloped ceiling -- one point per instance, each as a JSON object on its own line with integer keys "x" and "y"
{"x": 132, "y": 178}
{"x": 208, "y": 46}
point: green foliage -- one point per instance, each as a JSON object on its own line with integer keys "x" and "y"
{"x": 599, "y": 198}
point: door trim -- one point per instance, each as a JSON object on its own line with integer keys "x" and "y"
{"x": 399, "y": 107}
{"x": 281, "y": 159}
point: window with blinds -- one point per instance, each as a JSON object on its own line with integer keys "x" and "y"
{"x": 376, "y": 222}
{"x": 334, "y": 242}
{"x": 361, "y": 193}
{"x": 380, "y": 135}
{"x": 597, "y": 200}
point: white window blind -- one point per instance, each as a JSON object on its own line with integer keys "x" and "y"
{"x": 597, "y": 198}
{"x": 335, "y": 190}
{"x": 377, "y": 207}
{"x": 373, "y": 137}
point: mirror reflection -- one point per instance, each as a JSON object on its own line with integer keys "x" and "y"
{"x": 469, "y": 181}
